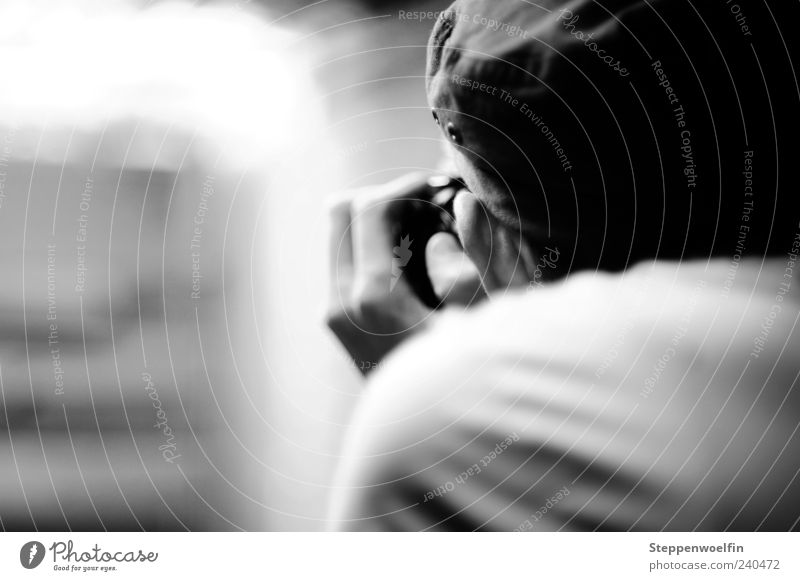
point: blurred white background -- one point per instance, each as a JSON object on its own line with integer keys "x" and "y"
{"x": 163, "y": 170}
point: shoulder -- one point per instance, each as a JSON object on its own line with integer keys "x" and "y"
{"x": 591, "y": 329}
{"x": 583, "y": 370}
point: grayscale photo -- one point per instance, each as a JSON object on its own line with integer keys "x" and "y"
{"x": 401, "y": 266}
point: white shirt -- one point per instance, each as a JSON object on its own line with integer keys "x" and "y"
{"x": 661, "y": 398}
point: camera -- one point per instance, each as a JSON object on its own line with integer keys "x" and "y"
{"x": 427, "y": 211}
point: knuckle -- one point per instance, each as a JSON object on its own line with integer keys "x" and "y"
{"x": 338, "y": 207}
{"x": 371, "y": 305}
{"x": 339, "y": 199}
{"x": 363, "y": 202}
{"x": 336, "y": 317}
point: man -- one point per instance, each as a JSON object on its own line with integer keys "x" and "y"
{"x": 628, "y": 214}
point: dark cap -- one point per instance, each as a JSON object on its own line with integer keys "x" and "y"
{"x": 598, "y": 115}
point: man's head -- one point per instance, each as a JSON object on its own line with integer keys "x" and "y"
{"x": 613, "y": 131}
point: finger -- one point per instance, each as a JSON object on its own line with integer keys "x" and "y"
{"x": 340, "y": 248}
{"x": 495, "y": 250}
{"x": 455, "y": 279}
{"x": 402, "y": 187}
{"x": 380, "y": 251}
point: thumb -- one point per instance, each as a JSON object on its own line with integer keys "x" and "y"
{"x": 454, "y": 277}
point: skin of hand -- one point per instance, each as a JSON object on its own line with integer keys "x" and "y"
{"x": 371, "y": 306}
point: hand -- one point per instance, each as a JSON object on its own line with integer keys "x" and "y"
{"x": 374, "y": 238}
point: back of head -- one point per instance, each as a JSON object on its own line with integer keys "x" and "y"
{"x": 625, "y": 129}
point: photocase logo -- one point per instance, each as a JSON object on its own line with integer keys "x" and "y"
{"x": 31, "y": 554}
{"x": 402, "y": 254}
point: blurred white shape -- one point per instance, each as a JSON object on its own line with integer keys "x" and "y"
{"x": 216, "y": 71}
{"x": 152, "y": 103}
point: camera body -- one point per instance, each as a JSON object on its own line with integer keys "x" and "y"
{"x": 427, "y": 211}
